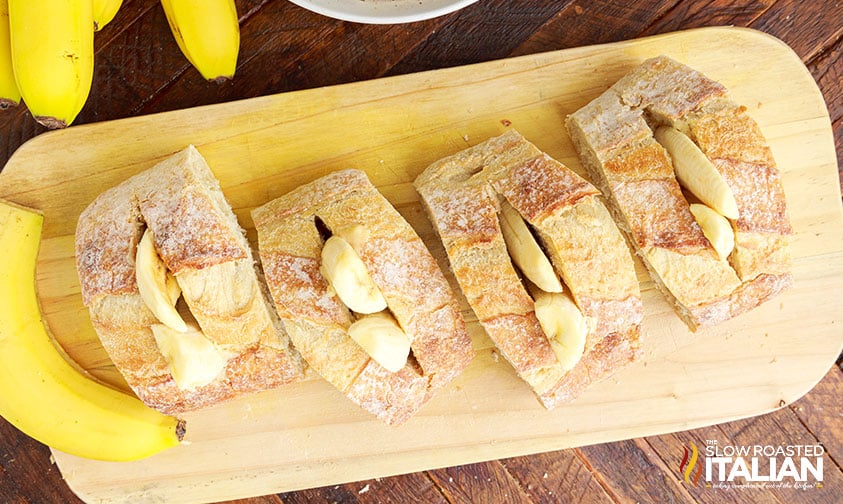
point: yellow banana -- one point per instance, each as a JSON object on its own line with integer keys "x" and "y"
{"x": 53, "y": 56}
{"x": 9, "y": 94}
{"x": 208, "y": 34}
{"x": 104, "y": 12}
{"x": 41, "y": 393}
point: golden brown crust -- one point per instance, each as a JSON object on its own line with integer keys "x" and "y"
{"x": 197, "y": 235}
{"x": 416, "y": 291}
{"x": 669, "y": 91}
{"x": 658, "y": 216}
{"x": 648, "y": 203}
{"x": 616, "y": 350}
{"x": 461, "y": 195}
{"x": 107, "y": 236}
{"x": 541, "y": 189}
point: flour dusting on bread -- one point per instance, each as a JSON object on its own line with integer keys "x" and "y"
{"x": 615, "y": 137}
{"x": 198, "y": 238}
{"x": 463, "y": 195}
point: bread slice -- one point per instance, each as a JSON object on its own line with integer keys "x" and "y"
{"x": 614, "y": 137}
{"x": 462, "y": 195}
{"x": 197, "y": 236}
{"x": 291, "y": 232}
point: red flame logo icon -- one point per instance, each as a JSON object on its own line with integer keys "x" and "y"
{"x": 689, "y": 463}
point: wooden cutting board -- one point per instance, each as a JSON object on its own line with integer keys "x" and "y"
{"x": 308, "y": 434}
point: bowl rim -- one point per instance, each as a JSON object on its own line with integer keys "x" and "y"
{"x": 383, "y": 11}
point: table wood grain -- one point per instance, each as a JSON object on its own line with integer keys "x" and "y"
{"x": 139, "y": 70}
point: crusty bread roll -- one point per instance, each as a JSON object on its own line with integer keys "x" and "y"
{"x": 291, "y": 233}
{"x": 614, "y": 136}
{"x": 463, "y": 195}
{"x": 197, "y": 236}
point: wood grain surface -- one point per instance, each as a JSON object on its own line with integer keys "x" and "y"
{"x": 139, "y": 72}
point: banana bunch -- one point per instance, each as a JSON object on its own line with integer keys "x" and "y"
{"x": 52, "y": 54}
{"x": 208, "y": 34}
{"x": 104, "y": 12}
{"x": 9, "y": 94}
{"x": 43, "y": 394}
{"x": 47, "y": 49}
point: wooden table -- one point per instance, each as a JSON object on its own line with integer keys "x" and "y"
{"x": 140, "y": 71}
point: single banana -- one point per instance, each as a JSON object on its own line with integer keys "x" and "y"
{"x": 564, "y": 325}
{"x": 156, "y": 284}
{"x": 695, "y": 172}
{"x": 208, "y": 34}
{"x": 716, "y": 228}
{"x": 348, "y": 276}
{"x": 53, "y": 57}
{"x": 9, "y": 94}
{"x": 526, "y": 252}
{"x": 383, "y": 339}
{"x": 104, "y": 12}
{"x": 41, "y": 393}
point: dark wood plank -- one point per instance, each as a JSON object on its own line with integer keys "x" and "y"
{"x": 817, "y": 417}
{"x": 597, "y": 22}
{"x": 687, "y": 15}
{"x": 416, "y": 488}
{"x": 481, "y": 482}
{"x": 27, "y": 473}
{"x": 304, "y": 51}
{"x": 631, "y": 471}
{"x": 807, "y": 27}
{"x": 827, "y": 69}
{"x": 484, "y": 31}
{"x": 337, "y": 493}
{"x": 821, "y": 412}
{"x": 266, "y": 499}
{"x": 559, "y": 476}
{"x": 784, "y": 428}
{"x": 670, "y": 448}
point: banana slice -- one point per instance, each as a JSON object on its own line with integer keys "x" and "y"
{"x": 526, "y": 252}
{"x": 696, "y": 173}
{"x": 348, "y": 276}
{"x": 383, "y": 339}
{"x": 194, "y": 360}
{"x": 716, "y": 228}
{"x": 158, "y": 288}
{"x": 564, "y": 324}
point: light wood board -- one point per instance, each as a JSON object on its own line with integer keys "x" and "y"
{"x": 308, "y": 434}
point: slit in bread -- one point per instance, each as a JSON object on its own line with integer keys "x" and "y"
{"x": 292, "y": 233}
{"x": 462, "y": 195}
{"x": 615, "y": 136}
{"x": 229, "y": 341}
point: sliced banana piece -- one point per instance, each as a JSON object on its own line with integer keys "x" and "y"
{"x": 716, "y": 228}
{"x": 158, "y": 288}
{"x": 383, "y": 339}
{"x": 348, "y": 276}
{"x": 564, "y": 325}
{"x": 526, "y": 252}
{"x": 194, "y": 360}
{"x": 696, "y": 173}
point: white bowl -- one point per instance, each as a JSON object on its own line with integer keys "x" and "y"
{"x": 383, "y": 11}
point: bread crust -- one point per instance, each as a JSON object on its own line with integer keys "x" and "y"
{"x": 613, "y": 135}
{"x": 462, "y": 193}
{"x": 197, "y": 236}
{"x": 417, "y": 293}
